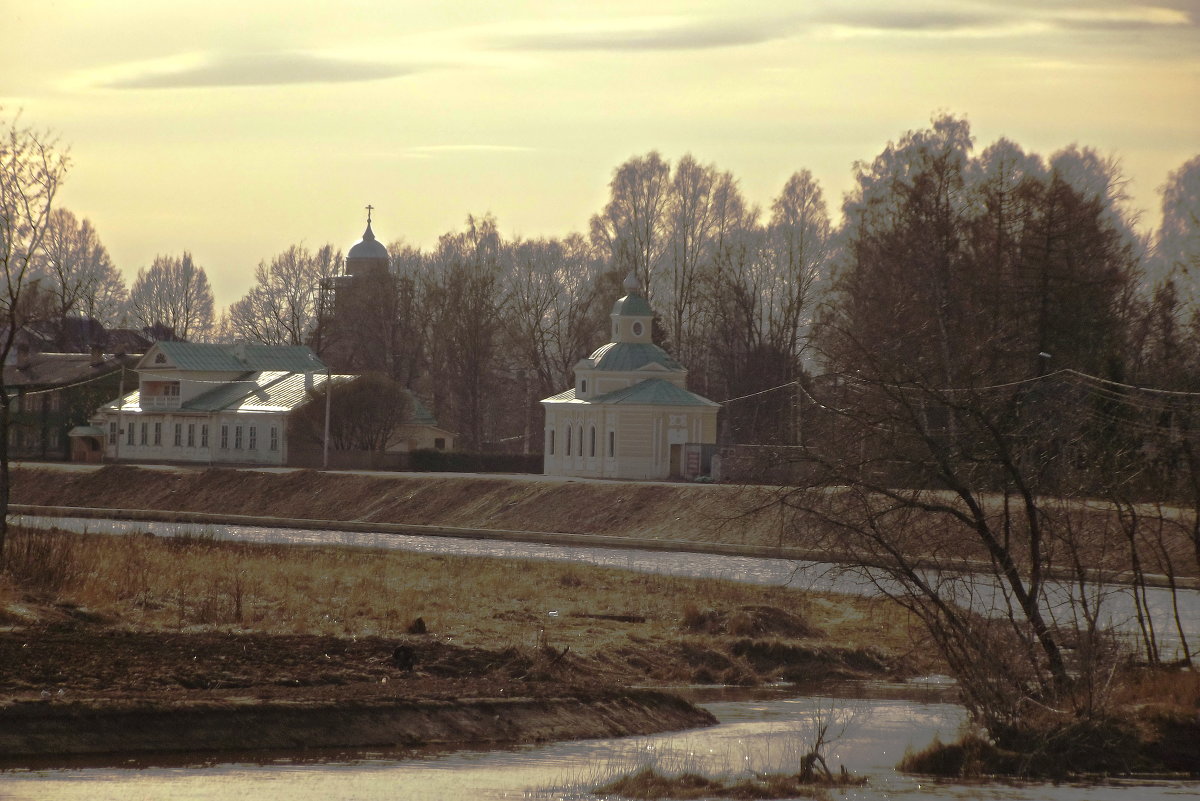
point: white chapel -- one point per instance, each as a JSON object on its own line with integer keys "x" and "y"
{"x": 629, "y": 414}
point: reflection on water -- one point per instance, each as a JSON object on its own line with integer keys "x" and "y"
{"x": 764, "y": 734}
{"x": 979, "y": 592}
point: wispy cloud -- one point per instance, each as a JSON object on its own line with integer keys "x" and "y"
{"x": 246, "y": 69}
{"x": 650, "y": 33}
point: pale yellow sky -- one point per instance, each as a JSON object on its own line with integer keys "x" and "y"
{"x": 235, "y": 129}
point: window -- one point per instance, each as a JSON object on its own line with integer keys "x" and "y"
{"x": 171, "y": 390}
{"x": 160, "y": 358}
{"x": 568, "y": 440}
{"x": 592, "y": 441}
{"x": 145, "y": 429}
{"x": 581, "y": 440}
{"x": 439, "y": 443}
{"x": 112, "y": 433}
{"x": 253, "y": 443}
{"x": 583, "y": 387}
{"x": 129, "y": 434}
{"x": 274, "y": 438}
{"x": 191, "y": 435}
{"x": 551, "y": 443}
{"x": 158, "y": 433}
{"x": 204, "y": 435}
{"x": 637, "y": 328}
{"x": 224, "y": 438}
{"x": 178, "y": 434}
{"x": 612, "y": 444}
{"x": 237, "y": 438}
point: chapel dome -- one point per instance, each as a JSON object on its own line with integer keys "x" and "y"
{"x": 633, "y": 304}
{"x": 627, "y": 356}
{"x": 368, "y": 247}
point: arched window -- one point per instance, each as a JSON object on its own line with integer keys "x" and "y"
{"x": 581, "y": 439}
{"x": 592, "y": 441}
{"x": 568, "y": 440}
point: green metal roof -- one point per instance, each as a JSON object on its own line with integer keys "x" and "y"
{"x": 562, "y": 397}
{"x": 651, "y": 392}
{"x": 269, "y": 391}
{"x": 632, "y": 305}
{"x": 203, "y": 356}
{"x": 626, "y": 356}
{"x": 654, "y": 392}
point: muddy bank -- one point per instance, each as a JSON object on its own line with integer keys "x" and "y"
{"x": 40, "y": 728}
{"x": 88, "y": 689}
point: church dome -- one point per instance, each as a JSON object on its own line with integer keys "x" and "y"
{"x": 633, "y": 304}
{"x": 627, "y": 356}
{"x": 368, "y": 247}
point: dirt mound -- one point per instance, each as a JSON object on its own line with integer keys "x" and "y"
{"x": 749, "y": 621}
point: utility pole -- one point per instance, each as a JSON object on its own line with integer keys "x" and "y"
{"x": 328, "y": 398}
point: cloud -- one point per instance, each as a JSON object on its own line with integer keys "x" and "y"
{"x": 930, "y": 21}
{"x": 1132, "y": 17}
{"x": 649, "y": 34}
{"x": 255, "y": 69}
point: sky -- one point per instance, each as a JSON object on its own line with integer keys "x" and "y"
{"x": 234, "y": 130}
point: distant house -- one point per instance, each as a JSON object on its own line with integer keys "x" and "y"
{"x": 231, "y": 404}
{"x": 208, "y": 403}
{"x": 54, "y": 393}
{"x": 629, "y": 414}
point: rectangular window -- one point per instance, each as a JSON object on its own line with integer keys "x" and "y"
{"x": 612, "y": 444}
{"x": 274, "y": 438}
{"x": 568, "y": 440}
{"x": 204, "y": 435}
{"x": 237, "y": 438}
{"x": 145, "y": 432}
{"x": 178, "y": 434}
{"x": 158, "y": 433}
{"x": 224, "y": 438}
{"x": 191, "y": 435}
{"x": 112, "y": 433}
{"x": 129, "y": 434}
{"x": 252, "y": 442}
{"x": 550, "y": 445}
{"x": 592, "y": 441}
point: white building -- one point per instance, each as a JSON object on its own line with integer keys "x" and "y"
{"x": 211, "y": 403}
{"x": 629, "y": 414}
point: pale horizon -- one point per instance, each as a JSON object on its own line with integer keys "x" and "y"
{"x": 234, "y": 130}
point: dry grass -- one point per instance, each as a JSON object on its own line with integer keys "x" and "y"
{"x": 152, "y": 583}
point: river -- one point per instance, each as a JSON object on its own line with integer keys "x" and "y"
{"x": 760, "y": 731}
{"x": 760, "y": 734}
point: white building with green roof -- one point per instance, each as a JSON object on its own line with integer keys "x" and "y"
{"x": 208, "y": 403}
{"x": 630, "y": 414}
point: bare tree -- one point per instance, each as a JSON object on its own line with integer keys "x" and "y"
{"x": 32, "y": 166}
{"x": 632, "y": 226}
{"x": 74, "y": 266}
{"x": 173, "y": 292}
{"x": 281, "y": 308}
{"x": 365, "y": 414}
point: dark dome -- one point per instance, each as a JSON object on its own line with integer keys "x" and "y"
{"x": 369, "y": 247}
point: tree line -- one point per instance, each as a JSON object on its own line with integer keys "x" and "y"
{"x": 979, "y": 265}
